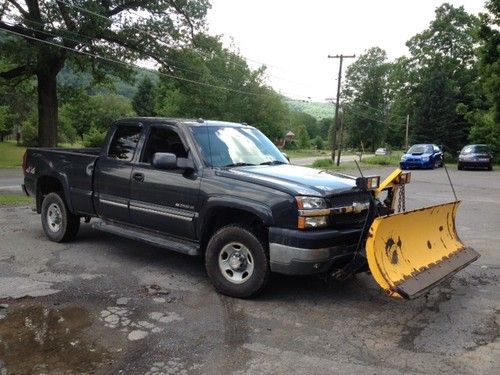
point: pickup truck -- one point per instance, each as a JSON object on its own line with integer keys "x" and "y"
{"x": 206, "y": 188}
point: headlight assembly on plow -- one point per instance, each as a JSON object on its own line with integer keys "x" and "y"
{"x": 313, "y": 212}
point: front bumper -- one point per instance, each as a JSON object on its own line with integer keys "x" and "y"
{"x": 409, "y": 164}
{"x": 297, "y": 252}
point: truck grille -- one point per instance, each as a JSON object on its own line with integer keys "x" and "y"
{"x": 350, "y": 219}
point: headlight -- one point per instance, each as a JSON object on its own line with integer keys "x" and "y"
{"x": 425, "y": 158}
{"x": 313, "y": 212}
{"x": 309, "y": 203}
{"x": 403, "y": 158}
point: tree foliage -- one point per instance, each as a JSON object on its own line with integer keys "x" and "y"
{"x": 42, "y": 34}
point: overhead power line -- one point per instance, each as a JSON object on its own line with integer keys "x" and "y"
{"x": 130, "y": 65}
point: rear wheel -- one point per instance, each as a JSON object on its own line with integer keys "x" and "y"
{"x": 236, "y": 262}
{"x": 58, "y": 223}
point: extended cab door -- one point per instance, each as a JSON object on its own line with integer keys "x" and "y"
{"x": 164, "y": 200}
{"x": 112, "y": 174}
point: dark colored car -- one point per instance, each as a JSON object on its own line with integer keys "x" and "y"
{"x": 424, "y": 156}
{"x": 475, "y": 156}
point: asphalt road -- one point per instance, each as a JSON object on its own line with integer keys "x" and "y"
{"x": 103, "y": 304}
{"x": 11, "y": 179}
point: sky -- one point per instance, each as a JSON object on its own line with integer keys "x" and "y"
{"x": 293, "y": 38}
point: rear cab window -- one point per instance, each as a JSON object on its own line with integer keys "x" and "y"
{"x": 124, "y": 142}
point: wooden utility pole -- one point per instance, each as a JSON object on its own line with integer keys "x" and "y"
{"x": 340, "y": 136}
{"x": 334, "y": 128}
{"x": 407, "y": 126}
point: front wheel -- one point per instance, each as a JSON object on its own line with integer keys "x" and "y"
{"x": 236, "y": 262}
{"x": 58, "y": 223}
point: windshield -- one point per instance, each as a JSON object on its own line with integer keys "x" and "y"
{"x": 420, "y": 149}
{"x": 479, "y": 149}
{"x": 227, "y": 146}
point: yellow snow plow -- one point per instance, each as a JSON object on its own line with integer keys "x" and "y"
{"x": 411, "y": 252}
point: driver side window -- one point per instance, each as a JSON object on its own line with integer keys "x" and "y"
{"x": 163, "y": 139}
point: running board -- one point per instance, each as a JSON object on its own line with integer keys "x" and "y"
{"x": 151, "y": 238}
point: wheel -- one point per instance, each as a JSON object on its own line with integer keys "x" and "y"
{"x": 58, "y": 223}
{"x": 460, "y": 166}
{"x": 236, "y": 261}
{"x": 490, "y": 167}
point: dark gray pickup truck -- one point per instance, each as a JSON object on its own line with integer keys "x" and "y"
{"x": 217, "y": 189}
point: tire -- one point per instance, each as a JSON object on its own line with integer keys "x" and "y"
{"x": 58, "y": 223}
{"x": 242, "y": 247}
{"x": 490, "y": 167}
{"x": 460, "y": 166}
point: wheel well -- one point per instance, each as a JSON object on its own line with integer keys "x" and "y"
{"x": 45, "y": 186}
{"x": 223, "y": 216}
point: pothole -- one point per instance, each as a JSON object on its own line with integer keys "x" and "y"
{"x": 41, "y": 340}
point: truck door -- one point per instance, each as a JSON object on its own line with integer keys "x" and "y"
{"x": 164, "y": 200}
{"x": 112, "y": 174}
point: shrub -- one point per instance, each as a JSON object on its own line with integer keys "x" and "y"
{"x": 94, "y": 138}
{"x": 323, "y": 163}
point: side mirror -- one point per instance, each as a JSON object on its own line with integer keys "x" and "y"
{"x": 286, "y": 156}
{"x": 164, "y": 160}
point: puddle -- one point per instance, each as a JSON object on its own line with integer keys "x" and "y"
{"x": 41, "y": 340}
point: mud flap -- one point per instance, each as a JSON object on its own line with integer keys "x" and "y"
{"x": 411, "y": 252}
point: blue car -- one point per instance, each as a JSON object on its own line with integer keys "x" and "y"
{"x": 426, "y": 156}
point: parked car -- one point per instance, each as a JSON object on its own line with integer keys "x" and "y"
{"x": 382, "y": 151}
{"x": 475, "y": 156}
{"x": 426, "y": 156}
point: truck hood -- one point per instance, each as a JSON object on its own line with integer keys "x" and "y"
{"x": 293, "y": 179}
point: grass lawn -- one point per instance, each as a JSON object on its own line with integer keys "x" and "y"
{"x": 15, "y": 199}
{"x": 11, "y": 155}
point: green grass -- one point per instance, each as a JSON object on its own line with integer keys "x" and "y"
{"x": 11, "y": 155}
{"x": 392, "y": 160}
{"x": 14, "y": 199}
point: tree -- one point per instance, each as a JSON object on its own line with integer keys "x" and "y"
{"x": 485, "y": 119}
{"x": 40, "y": 38}
{"x": 98, "y": 111}
{"x": 143, "y": 101}
{"x": 444, "y": 76}
{"x": 229, "y": 89}
{"x": 303, "y": 138}
{"x": 366, "y": 103}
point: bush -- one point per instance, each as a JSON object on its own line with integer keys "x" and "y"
{"x": 292, "y": 145}
{"x": 29, "y": 132}
{"x": 318, "y": 143}
{"x": 94, "y": 138}
{"x": 323, "y": 163}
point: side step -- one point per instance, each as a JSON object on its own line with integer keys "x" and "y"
{"x": 151, "y": 238}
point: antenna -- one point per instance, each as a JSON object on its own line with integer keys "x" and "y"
{"x": 451, "y": 183}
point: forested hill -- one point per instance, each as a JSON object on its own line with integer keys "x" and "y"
{"x": 318, "y": 110}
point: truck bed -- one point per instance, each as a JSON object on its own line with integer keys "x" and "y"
{"x": 74, "y": 166}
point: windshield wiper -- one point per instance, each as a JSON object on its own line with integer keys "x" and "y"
{"x": 273, "y": 162}
{"x": 237, "y": 165}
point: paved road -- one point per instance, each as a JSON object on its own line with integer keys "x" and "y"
{"x": 11, "y": 179}
{"x": 311, "y": 159}
{"x": 103, "y": 304}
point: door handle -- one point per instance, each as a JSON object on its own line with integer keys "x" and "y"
{"x": 139, "y": 177}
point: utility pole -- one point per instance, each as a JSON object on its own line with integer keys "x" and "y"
{"x": 340, "y": 136}
{"x": 336, "y": 123}
{"x": 407, "y": 126}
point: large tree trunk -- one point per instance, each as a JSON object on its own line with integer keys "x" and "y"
{"x": 49, "y": 65}
{"x": 47, "y": 108}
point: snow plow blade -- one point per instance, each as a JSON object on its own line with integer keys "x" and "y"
{"x": 411, "y": 252}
